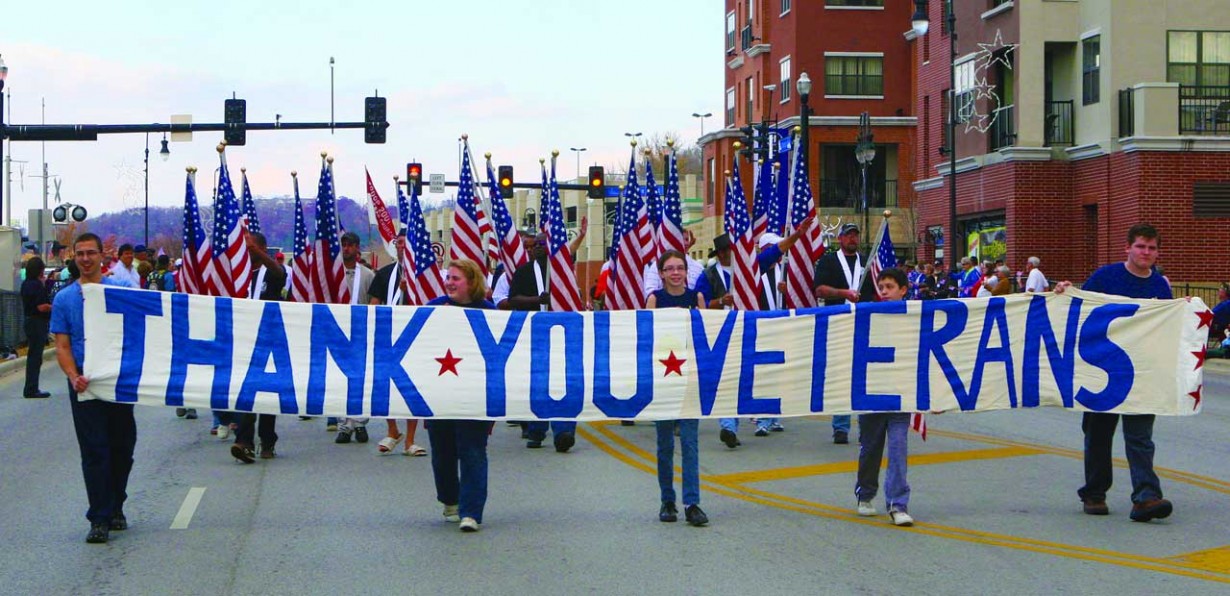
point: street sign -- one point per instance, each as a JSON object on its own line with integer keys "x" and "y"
{"x": 179, "y": 137}
{"x": 437, "y": 183}
{"x": 784, "y": 144}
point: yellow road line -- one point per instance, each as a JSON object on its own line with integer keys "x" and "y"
{"x": 851, "y": 467}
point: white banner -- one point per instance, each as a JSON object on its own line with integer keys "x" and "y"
{"x": 1081, "y": 351}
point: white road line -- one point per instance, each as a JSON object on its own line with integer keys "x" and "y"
{"x": 188, "y": 509}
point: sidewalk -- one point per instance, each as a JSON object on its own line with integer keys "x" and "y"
{"x": 19, "y": 364}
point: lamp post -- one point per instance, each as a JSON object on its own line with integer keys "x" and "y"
{"x": 702, "y": 120}
{"x": 4, "y": 73}
{"x": 921, "y": 23}
{"x": 165, "y": 154}
{"x": 804, "y": 87}
{"x": 865, "y": 153}
{"x": 632, "y": 134}
{"x": 578, "y": 151}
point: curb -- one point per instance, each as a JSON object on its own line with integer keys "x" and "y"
{"x": 9, "y": 366}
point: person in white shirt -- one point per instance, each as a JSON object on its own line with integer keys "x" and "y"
{"x": 124, "y": 269}
{"x": 653, "y": 279}
{"x": 359, "y": 280}
{"x": 1036, "y": 282}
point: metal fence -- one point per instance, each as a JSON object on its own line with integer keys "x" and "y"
{"x": 12, "y": 320}
{"x": 1058, "y": 123}
{"x": 1204, "y": 110}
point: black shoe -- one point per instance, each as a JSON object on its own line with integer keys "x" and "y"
{"x": 695, "y": 516}
{"x": 119, "y": 523}
{"x": 243, "y": 453}
{"x": 535, "y": 439}
{"x": 564, "y": 441}
{"x": 668, "y": 513}
{"x": 305, "y": 417}
{"x": 343, "y": 437}
{"x": 191, "y": 415}
{"x": 37, "y": 395}
{"x": 180, "y": 412}
{"x": 729, "y": 437}
{"x": 533, "y": 444}
{"x": 841, "y": 437}
{"x": 99, "y": 533}
{"x": 267, "y": 451}
{"x": 1151, "y": 509}
{"x": 762, "y": 432}
{"x": 360, "y": 434}
{"x": 627, "y": 423}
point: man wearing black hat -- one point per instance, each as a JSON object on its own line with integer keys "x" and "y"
{"x": 714, "y": 283}
{"x": 836, "y": 273}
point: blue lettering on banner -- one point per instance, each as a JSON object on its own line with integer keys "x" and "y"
{"x": 1097, "y": 349}
{"x": 710, "y": 358}
{"x": 495, "y": 354}
{"x": 931, "y": 345}
{"x": 573, "y": 400}
{"x": 271, "y": 343}
{"x": 134, "y": 307}
{"x": 1039, "y": 333}
{"x": 603, "y": 398}
{"x": 350, "y": 355}
{"x": 995, "y": 317}
{"x": 748, "y": 403}
{"x": 387, "y": 356}
{"x": 864, "y": 353}
{"x": 216, "y": 352}
{"x": 820, "y": 351}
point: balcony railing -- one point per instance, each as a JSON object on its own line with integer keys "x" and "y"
{"x": 1127, "y": 114}
{"x": 1204, "y": 110}
{"x": 1003, "y": 129}
{"x": 746, "y": 36}
{"x": 1058, "y": 123}
{"x": 845, "y": 194}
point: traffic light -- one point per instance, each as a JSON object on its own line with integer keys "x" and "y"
{"x": 61, "y": 213}
{"x": 374, "y": 120}
{"x": 597, "y": 183}
{"x": 414, "y": 178}
{"x": 506, "y": 182}
{"x": 236, "y": 113}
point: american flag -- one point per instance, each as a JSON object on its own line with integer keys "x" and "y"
{"x": 653, "y": 206}
{"x": 249, "y": 205}
{"x": 745, "y": 276}
{"x": 762, "y": 195}
{"x": 197, "y": 254}
{"x": 232, "y": 269}
{"x": 328, "y": 273}
{"x": 670, "y": 235}
{"x": 300, "y": 286}
{"x": 626, "y": 284}
{"x": 781, "y": 191}
{"x": 800, "y": 267}
{"x": 485, "y": 226}
{"x": 467, "y": 240}
{"x": 884, "y": 257}
{"x": 565, "y": 295}
{"x": 426, "y": 283}
{"x": 512, "y": 251}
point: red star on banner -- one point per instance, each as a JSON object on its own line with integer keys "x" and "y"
{"x": 1206, "y": 319}
{"x": 673, "y": 364}
{"x": 1200, "y": 356}
{"x": 1196, "y": 395}
{"x": 448, "y": 363}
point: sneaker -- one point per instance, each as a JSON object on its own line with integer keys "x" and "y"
{"x": 1095, "y": 506}
{"x": 866, "y": 509}
{"x": 762, "y": 432}
{"x": 180, "y": 412}
{"x": 191, "y": 414}
{"x": 564, "y": 441}
{"x": 668, "y": 512}
{"x": 242, "y": 453}
{"x": 331, "y": 428}
{"x": 343, "y": 437}
{"x": 777, "y": 428}
{"x": 841, "y": 438}
{"x": 450, "y": 514}
{"x": 627, "y": 423}
{"x": 268, "y": 452}
{"x": 901, "y": 518}
{"x": 99, "y": 533}
{"x": 695, "y": 516}
{"x": 533, "y": 444}
{"x": 119, "y": 523}
{"x": 1152, "y": 509}
{"x": 468, "y": 524}
{"x": 729, "y": 438}
{"x": 305, "y": 418}
{"x": 214, "y": 430}
{"x": 360, "y": 434}
{"x": 223, "y": 432}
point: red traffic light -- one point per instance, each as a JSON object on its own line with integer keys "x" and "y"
{"x": 414, "y": 177}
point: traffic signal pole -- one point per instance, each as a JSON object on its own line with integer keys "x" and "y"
{"x": 90, "y": 132}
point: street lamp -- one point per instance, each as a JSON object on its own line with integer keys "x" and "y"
{"x": 578, "y": 152}
{"x": 804, "y": 87}
{"x": 865, "y": 153}
{"x": 632, "y": 134}
{"x": 921, "y": 23}
{"x": 4, "y": 73}
{"x": 702, "y": 120}
{"x": 165, "y": 154}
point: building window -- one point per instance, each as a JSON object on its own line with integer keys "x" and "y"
{"x": 751, "y": 11}
{"x": 1091, "y": 61}
{"x": 966, "y": 106}
{"x": 785, "y": 7}
{"x": 751, "y": 100}
{"x": 926, "y": 130}
{"x": 730, "y": 107}
{"x": 711, "y": 181}
{"x": 854, "y": 2}
{"x": 854, "y": 75}
{"x": 570, "y": 215}
{"x": 946, "y": 118}
{"x": 785, "y": 84}
{"x": 944, "y": 17}
{"x": 730, "y": 32}
{"x": 1200, "y": 58}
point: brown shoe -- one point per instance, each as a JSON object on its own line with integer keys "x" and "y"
{"x": 1151, "y": 509}
{"x": 268, "y": 452}
{"x": 1096, "y": 507}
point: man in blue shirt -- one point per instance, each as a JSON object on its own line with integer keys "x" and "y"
{"x": 106, "y": 431}
{"x": 1134, "y": 278}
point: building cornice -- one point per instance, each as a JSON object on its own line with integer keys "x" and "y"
{"x": 928, "y": 184}
{"x": 850, "y": 121}
{"x": 1022, "y": 154}
{"x": 1002, "y": 8}
{"x": 735, "y": 62}
{"x": 963, "y": 165}
{"x": 1175, "y": 144}
{"x": 717, "y": 135}
{"x": 1085, "y": 151}
{"x": 758, "y": 49}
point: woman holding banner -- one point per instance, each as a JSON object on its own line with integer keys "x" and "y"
{"x": 461, "y": 444}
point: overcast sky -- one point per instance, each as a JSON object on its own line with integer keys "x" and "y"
{"x": 521, "y": 77}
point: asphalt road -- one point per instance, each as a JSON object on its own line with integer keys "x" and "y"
{"x": 994, "y": 495}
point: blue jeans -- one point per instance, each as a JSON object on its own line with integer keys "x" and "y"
{"x": 688, "y": 430}
{"x": 763, "y": 423}
{"x": 873, "y": 430}
{"x": 107, "y": 436}
{"x": 1099, "y": 432}
{"x": 538, "y": 429}
{"x": 841, "y": 424}
{"x": 730, "y": 424}
{"x": 460, "y": 445}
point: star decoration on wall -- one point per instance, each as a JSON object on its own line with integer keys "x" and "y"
{"x": 995, "y": 52}
{"x": 673, "y": 364}
{"x": 448, "y": 363}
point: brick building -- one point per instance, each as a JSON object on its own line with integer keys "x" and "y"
{"x": 1076, "y": 119}
{"x": 858, "y": 58}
